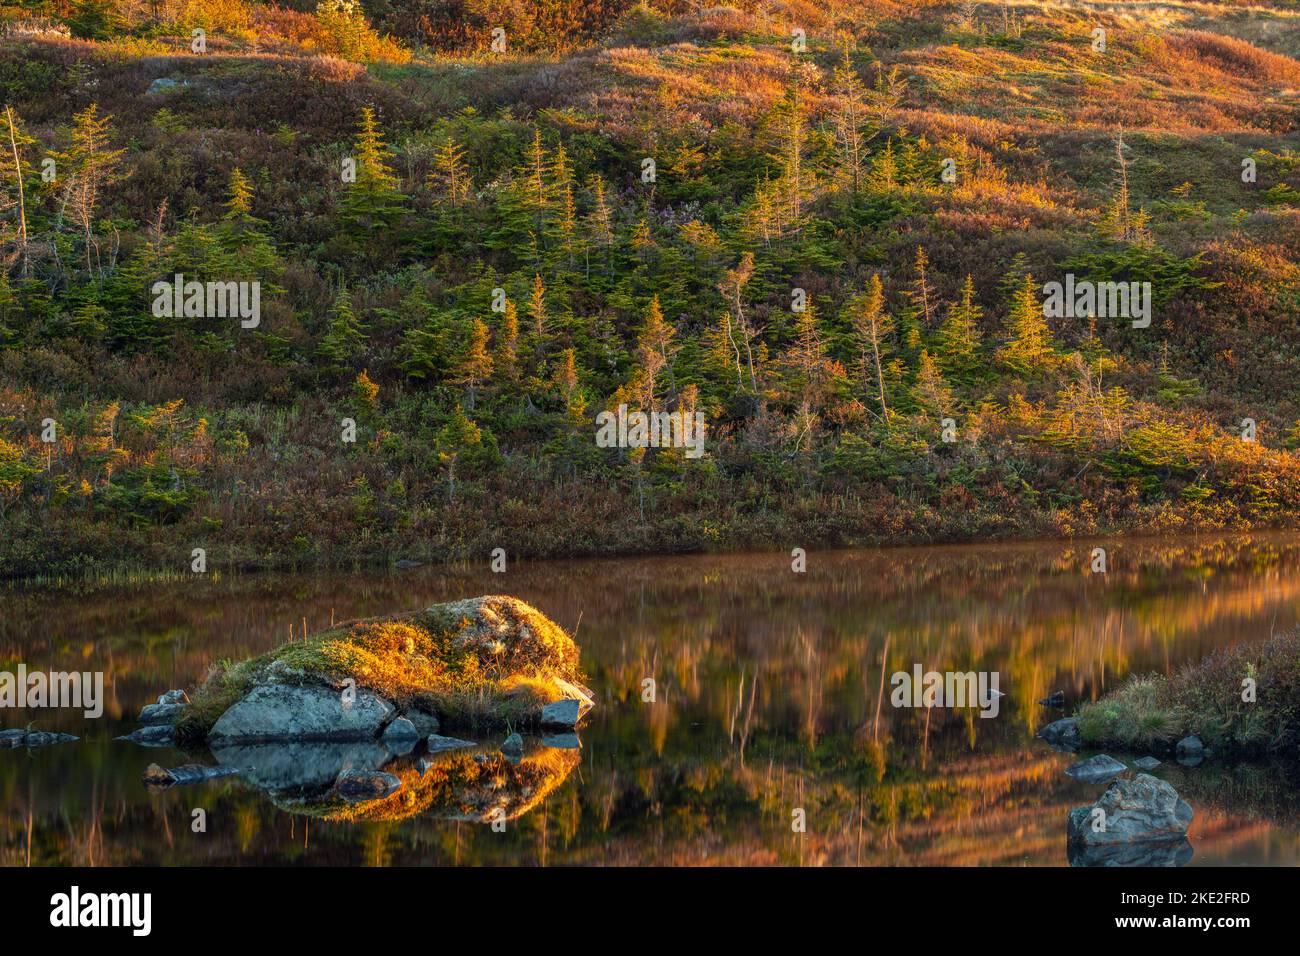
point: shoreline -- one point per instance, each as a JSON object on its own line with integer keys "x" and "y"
{"x": 134, "y": 573}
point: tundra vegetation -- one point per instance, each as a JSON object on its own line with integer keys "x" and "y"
{"x": 1240, "y": 700}
{"x": 840, "y": 249}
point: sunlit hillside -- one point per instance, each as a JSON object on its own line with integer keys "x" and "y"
{"x": 460, "y": 232}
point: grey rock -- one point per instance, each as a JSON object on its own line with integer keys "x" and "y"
{"x": 579, "y": 693}
{"x": 1146, "y": 763}
{"x": 174, "y": 697}
{"x": 366, "y": 784}
{"x": 438, "y": 744}
{"x": 286, "y": 712}
{"x": 1062, "y": 733}
{"x": 1057, "y": 699}
{"x": 400, "y": 729}
{"x": 160, "y": 713}
{"x": 12, "y": 738}
{"x": 562, "y": 713}
{"x": 159, "y": 735}
{"x": 1096, "y": 769}
{"x": 293, "y": 766}
{"x": 513, "y": 745}
{"x": 165, "y": 84}
{"x": 562, "y": 741}
{"x": 1191, "y": 747}
{"x": 189, "y": 773}
{"x": 425, "y": 722}
{"x": 405, "y": 563}
{"x": 1132, "y": 811}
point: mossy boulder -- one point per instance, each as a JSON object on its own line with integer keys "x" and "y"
{"x": 482, "y": 663}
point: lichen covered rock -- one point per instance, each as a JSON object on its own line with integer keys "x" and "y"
{"x": 1142, "y": 809}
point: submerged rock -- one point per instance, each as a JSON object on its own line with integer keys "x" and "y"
{"x": 1062, "y": 733}
{"x": 562, "y": 741}
{"x": 1057, "y": 699}
{"x": 156, "y": 776}
{"x": 1146, "y": 763}
{"x": 366, "y": 784}
{"x": 275, "y": 712}
{"x": 1131, "y": 811}
{"x": 1191, "y": 747}
{"x": 1096, "y": 769}
{"x": 437, "y": 744}
{"x": 159, "y": 735}
{"x": 11, "y": 739}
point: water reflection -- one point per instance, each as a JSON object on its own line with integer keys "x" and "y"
{"x": 767, "y": 697}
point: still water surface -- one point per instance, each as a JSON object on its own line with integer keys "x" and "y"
{"x": 768, "y": 698}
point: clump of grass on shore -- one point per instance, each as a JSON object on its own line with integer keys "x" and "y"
{"x": 1239, "y": 700}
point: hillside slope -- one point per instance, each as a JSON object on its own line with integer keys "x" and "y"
{"x": 654, "y": 198}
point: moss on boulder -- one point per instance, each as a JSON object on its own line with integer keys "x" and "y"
{"x": 481, "y": 662}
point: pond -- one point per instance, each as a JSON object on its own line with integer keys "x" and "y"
{"x": 769, "y": 697}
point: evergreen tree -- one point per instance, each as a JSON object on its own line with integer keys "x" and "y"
{"x": 374, "y": 200}
{"x": 450, "y": 176}
{"x": 454, "y": 439}
{"x": 1030, "y": 347}
{"x": 810, "y": 372}
{"x": 959, "y": 336}
{"x": 85, "y": 170}
{"x": 921, "y": 293}
{"x": 345, "y": 340}
{"x": 848, "y": 121}
{"x": 600, "y": 221}
{"x": 931, "y": 391}
{"x": 249, "y": 252}
{"x": 654, "y": 352}
{"x": 506, "y": 357}
{"x": 872, "y": 327}
{"x": 475, "y": 363}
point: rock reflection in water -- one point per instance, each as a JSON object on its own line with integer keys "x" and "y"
{"x": 481, "y": 785}
{"x": 1157, "y": 853}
